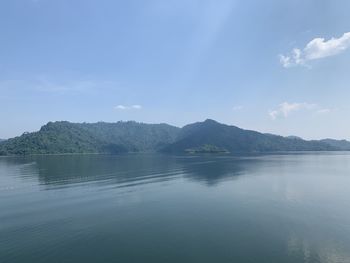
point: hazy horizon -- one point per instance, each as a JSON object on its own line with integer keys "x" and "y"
{"x": 278, "y": 68}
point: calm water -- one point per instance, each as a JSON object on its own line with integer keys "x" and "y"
{"x": 154, "y": 208}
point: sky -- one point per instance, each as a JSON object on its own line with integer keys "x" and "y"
{"x": 273, "y": 66}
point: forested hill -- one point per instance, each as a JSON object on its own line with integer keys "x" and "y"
{"x": 201, "y": 137}
{"x": 340, "y": 144}
{"x": 101, "y": 137}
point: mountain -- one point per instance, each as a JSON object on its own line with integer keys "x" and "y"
{"x": 233, "y": 139}
{"x": 200, "y": 137}
{"x": 294, "y": 137}
{"x": 340, "y": 144}
{"x": 101, "y": 137}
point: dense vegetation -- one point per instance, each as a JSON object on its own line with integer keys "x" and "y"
{"x": 206, "y": 148}
{"x": 202, "y": 137}
{"x": 66, "y": 137}
{"x": 343, "y": 145}
{"x": 234, "y": 139}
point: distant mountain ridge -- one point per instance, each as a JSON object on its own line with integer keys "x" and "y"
{"x": 234, "y": 139}
{"x": 65, "y": 137}
{"x": 341, "y": 144}
{"x": 208, "y": 136}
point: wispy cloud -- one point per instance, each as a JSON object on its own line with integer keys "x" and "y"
{"x": 131, "y": 107}
{"x": 285, "y": 109}
{"x": 237, "y": 108}
{"x": 44, "y": 84}
{"x": 324, "y": 111}
{"x": 316, "y": 49}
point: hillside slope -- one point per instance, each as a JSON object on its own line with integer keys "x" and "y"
{"x": 66, "y": 137}
{"x": 234, "y": 139}
{"x": 340, "y": 144}
{"x": 200, "y": 137}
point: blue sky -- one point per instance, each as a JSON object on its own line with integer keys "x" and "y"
{"x": 273, "y": 66}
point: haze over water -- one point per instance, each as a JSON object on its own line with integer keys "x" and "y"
{"x": 158, "y": 208}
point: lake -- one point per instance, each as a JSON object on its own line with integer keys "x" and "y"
{"x": 159, "y": 208}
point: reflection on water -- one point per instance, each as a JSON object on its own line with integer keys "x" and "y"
{"x": 213, "y": 170}
{"x": 323, "y": 253}
{"x": 160, "y": 208}
{"x": 117, "y": 170}
{"x": 69, "y": 169}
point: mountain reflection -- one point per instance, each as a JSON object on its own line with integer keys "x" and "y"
{"x": 105, "y": 169}
{"x": 215, "y": 208}
{"x": 213, "y": 169}
{"x": 126, "y": 170}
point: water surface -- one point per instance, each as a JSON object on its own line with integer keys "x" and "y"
{"x": 156, "y": 208}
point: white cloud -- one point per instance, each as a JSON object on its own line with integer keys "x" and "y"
{"x": 323, "y": 111}
{"x": 131, "y": 107}
{"x": 286, "y": 108}
{"x": 237, "y": 108}
{"x": 316, "y": 49}
{"x": 120, "y": 107}
{"x": 136, "y": 107}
